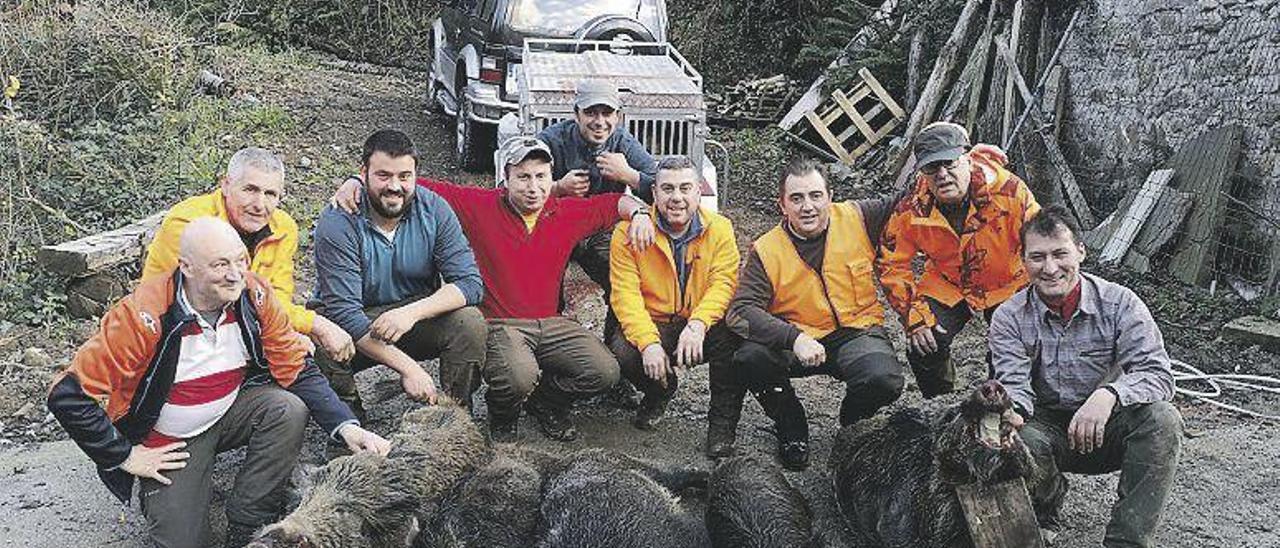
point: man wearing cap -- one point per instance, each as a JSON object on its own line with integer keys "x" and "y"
{"x": 963, "y": 216}
{"x": 522, "y": 236}
{"x": 806, "y": 305}
{"x": 399, "y": 275}
{"x": 248, "y": 198}
{"x": 595, "y": 153}
{"x": 670, "y": 299}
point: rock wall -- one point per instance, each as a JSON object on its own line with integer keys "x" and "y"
{"x": 1146, "y": 76}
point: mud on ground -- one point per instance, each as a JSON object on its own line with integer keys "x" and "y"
{"x": 49, "y": 495}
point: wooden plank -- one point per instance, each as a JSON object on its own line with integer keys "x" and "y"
{"x": 812, "y": 97}
{"x": 95, "y": 252}
{"x": 1006, "y": 123}
{"x": 1055, "y": 96}
{"x": 1075, "y": 198}
{"x": 914, "y": 53}
{"x": 1000, "y": 515}
{"x": 870, "y": 115}
{"x": 1135, "y": 216}
{"x": 975, "y": 96}
{"x": 932, "y": 94}
{"x": 1204, "y": 168}
{"x": 989, "y": 119}
{"x": 881, "y": 94}
{"x": 852, "y": 113}
{"x": 969, "y": 80}
{"x": 836, "y": 147}
{"x": 1159, "y": 231}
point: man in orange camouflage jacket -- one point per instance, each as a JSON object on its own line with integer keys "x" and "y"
{"x": 197, "y": 362}
{"x": 963, "y": 217}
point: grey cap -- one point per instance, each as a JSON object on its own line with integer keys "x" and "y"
{"x": 520, "y": 147}
{"x": 597, "y": 92}
{"x": 940, "y": 142}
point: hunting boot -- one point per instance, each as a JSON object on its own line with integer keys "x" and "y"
{"x": 550, "y": 406}
{"x": 724, "y": 411}
{"x": 782, "y": 405}
{"x": 654, "y": 404}
{"x": 504, "y": 424}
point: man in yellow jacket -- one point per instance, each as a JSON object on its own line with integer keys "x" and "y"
{"x": 669, "y": 300}
{"x": 248, "y": 198}
{"x": 963, "y": 216}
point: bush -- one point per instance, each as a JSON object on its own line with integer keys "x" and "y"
{"x": 391, "y": 32}
{"x": 97, "y": 61}
{"x": 106, "y": 130}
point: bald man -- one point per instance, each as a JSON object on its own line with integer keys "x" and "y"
{"x": 193, "y": 363}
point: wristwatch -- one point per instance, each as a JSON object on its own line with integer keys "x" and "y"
{"x": 641, "y": 211}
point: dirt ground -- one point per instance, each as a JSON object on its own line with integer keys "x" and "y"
{"x": 49, "y": 495}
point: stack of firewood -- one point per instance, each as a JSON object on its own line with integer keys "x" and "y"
{"x": 763, "y": 99}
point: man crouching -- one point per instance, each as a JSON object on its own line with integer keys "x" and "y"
{"x": 191, "y": 364}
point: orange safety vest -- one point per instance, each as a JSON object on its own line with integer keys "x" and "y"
{"x": 843, "y": 295}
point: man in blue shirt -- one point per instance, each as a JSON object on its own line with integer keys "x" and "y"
{"x": 400, "y": 277}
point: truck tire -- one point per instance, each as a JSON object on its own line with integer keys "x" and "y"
{"x": 473, "y": 149}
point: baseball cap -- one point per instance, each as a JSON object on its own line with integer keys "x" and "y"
{"x": 596, "y": 92}
{"x": 940, "y": 142}
{"x": 516, "y": 149}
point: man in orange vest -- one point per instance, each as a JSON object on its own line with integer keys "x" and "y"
{"x": 806, "y": 305}
{"x": 963, "y": 216}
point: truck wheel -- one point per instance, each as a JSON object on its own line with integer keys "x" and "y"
{"x": 472, "y": 148}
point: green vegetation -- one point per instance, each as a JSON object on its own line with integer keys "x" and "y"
{"x": 105, "y": 128}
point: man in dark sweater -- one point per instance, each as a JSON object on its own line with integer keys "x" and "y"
{"x": 806, "y": 305}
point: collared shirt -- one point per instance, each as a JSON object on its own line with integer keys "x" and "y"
{"x": 210, "y": 368}
{"x": 523, "y": 269}
{"x": 1111, "y": 340}
{"x": 571, "y": 151}
{"x": 681, "y": 243}
{"x": 359, "y": 266}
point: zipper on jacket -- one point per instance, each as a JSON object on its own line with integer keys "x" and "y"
{"x": 164, "y": 346}
{"x": 825, "y": 292}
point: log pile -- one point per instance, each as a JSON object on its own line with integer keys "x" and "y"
{"x": 749, "y": 102}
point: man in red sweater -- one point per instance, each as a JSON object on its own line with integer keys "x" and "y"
{"x": 522, "y": 237}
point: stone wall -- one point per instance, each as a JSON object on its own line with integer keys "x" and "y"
{"x": 1148, "y": 75}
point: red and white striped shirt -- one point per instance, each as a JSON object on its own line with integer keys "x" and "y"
{"x": 211, "y": 366}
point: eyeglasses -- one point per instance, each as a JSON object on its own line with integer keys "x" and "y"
{"x": 936, "y": 167}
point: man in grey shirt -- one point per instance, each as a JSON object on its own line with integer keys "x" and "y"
{"x": 1086, "y": 367}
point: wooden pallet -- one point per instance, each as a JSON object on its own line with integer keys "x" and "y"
{"x": 847, "y": 121}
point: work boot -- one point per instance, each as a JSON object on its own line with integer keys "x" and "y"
{"x": 623, "y": 395}
{"x": 504, "y": 427}
{"x": 239, "y": 534}
{"x": 782, "y": 405}
{"x": 723, "y": 414}
{"x": 650, "y": 413}
{"x": 550, "y": 407}
{"x": 794, "y": 455}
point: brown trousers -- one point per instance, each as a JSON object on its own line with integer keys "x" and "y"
{"x": 553, "y": 351}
